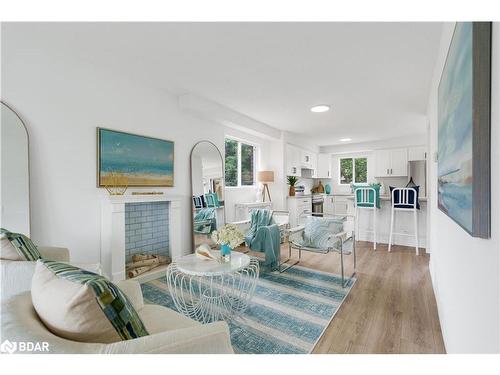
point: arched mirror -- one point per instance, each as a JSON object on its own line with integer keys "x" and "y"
{"x": 207, "y": 189}
{"x": 15, "y": 172}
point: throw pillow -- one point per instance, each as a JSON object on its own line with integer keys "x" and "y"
{"x": 318, "y": 231}
{"x": 19, "y": 247}
{"x": 82, "y": 306}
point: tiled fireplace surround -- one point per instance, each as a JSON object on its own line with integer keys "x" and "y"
{"x": 158, "y": 213}
{"x": 146, "y": 229}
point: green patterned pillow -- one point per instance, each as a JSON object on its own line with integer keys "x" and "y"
{"x": 319, "y": 231}
{"x": 83, "y": 306}
{"x": 22, "y": 244}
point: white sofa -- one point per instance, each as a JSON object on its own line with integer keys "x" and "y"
{"x": 16, "y": 275}
{"x": 170, "y": 332}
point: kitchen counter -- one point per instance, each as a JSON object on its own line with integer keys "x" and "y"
{"x": 403, "y": 223}
{"x": 385, "y": 197}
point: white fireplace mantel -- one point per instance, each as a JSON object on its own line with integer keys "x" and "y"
{"x": 113, "y": 230}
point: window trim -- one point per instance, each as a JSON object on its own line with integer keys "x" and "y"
{"x": 353, "y": 160}
{"x": 238, "y": 157}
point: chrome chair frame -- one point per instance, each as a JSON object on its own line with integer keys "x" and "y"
{"x": 343, "y": 236}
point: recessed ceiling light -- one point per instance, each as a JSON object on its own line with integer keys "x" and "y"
{"x": 320, "y": 108}
{"x": 345, "y": 139}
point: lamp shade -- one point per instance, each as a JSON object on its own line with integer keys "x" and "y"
{"x": 265, "y": 176}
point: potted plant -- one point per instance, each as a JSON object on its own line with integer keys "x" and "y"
{"x": 228, "y": 237}
{"x": 292, "y": 181}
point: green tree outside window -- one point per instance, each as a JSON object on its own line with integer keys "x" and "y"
{"x": 239, "y": 161}
{"x": 353, "y": 170}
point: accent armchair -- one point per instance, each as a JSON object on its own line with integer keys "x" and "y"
{"x": 323, "y": 235}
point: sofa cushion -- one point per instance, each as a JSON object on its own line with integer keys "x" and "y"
{"x": 19, "y": 247}
{"x": 82, "y": 306}
{"x": 158, "y": 319}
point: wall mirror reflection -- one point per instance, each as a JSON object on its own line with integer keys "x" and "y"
{"x": 207, "y": 184}
{"x": 15, "y": 173}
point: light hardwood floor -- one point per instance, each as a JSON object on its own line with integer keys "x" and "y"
{"x": 390, "y": 309}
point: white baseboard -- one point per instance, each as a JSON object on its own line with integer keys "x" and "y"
{"x": 402, "y": 240}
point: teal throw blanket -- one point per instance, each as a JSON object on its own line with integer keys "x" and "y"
{"x": 264, "y": 236}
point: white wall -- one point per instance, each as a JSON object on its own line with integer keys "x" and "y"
{"x": 62, "y": 102}
{"x": 465, "y": 270}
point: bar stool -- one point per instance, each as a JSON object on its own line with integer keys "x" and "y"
{"x": 365, "y": 198}
{"x": 405, "y": 200}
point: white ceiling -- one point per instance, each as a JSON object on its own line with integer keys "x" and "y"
{"x": 376, "y": 76}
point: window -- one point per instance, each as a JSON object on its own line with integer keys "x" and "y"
{"x": 352, "y": 170}
{"x": 239, "y": 163}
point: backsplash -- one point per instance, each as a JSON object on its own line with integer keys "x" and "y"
{"x": 391, "y": 181}
{"x": 308, "y": 184}
{"x": 146, "y": 228}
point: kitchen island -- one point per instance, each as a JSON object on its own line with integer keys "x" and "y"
{"x": 403, "y": 223}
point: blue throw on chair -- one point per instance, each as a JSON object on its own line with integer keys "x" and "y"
{"x": 264, "y": 236}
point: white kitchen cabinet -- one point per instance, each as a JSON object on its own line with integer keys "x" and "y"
{"x": 329, "y": 205}
{"x": 382, "y": 163}
{"x": 399, "y": 162}
{"x": 297, "y": 208}
{"x": 314, "y": 164}
{"x": 391, "y": 163}
{"x": 307, "y": 159}
{"x": 337, "y": 205}
{"x": 341, "y": 205}
{"x": 293, "y": 160}
{"x": 417, "y": 153}
{"x": 324, "y": 167}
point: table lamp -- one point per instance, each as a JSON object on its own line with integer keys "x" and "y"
{"x": 265, "y": 177}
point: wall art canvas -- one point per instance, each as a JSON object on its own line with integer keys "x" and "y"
{"x": 137, "y": 160}
{"x": 464, "y": 129}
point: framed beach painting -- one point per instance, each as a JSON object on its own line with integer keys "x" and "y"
{"x": 464, "y": 129}
{"x": 136, "y": 160}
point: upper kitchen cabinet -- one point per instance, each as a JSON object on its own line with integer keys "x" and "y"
{"x": 417, "y": 153}
{"x": 382, "y": 163}
{"x": 308, "y": 159}
{"x": 324, "y": 168}
{"x": 293, "y": 160}
{"x": 391, "y": 163}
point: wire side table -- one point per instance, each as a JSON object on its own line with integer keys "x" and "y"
{"x": 208, "y": 291}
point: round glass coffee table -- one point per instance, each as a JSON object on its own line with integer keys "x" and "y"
{"x": 207, "y": 291}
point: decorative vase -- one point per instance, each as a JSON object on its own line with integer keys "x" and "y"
{"x": 225, "y": 253}
{"x": 291, "y": 192}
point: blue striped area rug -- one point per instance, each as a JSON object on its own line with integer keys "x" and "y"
{"x": 287, "y": 315}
